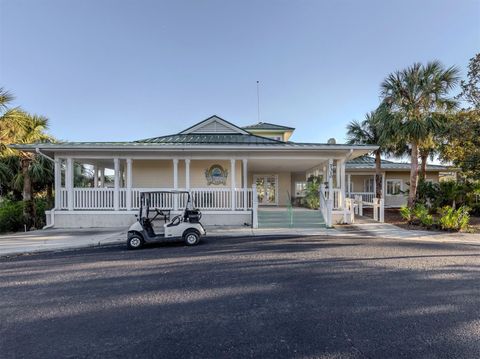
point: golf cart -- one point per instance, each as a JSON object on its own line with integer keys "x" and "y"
{"x": 184, "y": 226}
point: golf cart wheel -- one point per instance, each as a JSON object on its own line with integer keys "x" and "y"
{"x": 135, "y": 242}
{"x": 191, "y": 238}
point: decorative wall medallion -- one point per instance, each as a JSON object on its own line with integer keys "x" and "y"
{"x": 216, "y": 175}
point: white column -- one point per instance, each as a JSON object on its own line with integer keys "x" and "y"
{"x": 129, "y": 184}
{"x": 330, "y": 193}
{"x": 116, "y": 193}
{"x": 375, "y": 186}
{"x": 254, "y": 206}
{"x": 383, "y": 185}
{"x": 175, "y": 183}
{"x": 232, "y": 182}
{"x": 245, "y": 184}
{"x": 95, "y": 176}
{"x": 187, "y": 174}
{"x": 338, "y": 175}
{"x": 349, "y": 184}
{"x": 342, "y": 183}
{"x": 102, "y": 176}
{"x": 58, "y": 184}
{"x": 330, "y": 179}
{"x": 69, "y": 183}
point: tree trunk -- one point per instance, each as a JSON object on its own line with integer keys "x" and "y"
{"x": 50, "y": 195}
{"x": 412, "y": 194}
{"x": 27, "y": 181}
{"x": 28, "y": 207}
{"x": 378, "y": 174}
{"x": 423, "y": 169}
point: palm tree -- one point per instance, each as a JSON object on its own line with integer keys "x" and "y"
{"x": 418, "y": 98}
{"x": 427, "y": 149}
{"x": 24, "y": 128}
{"x": 368, "y": 132}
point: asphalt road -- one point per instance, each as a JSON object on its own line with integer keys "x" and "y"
{"x": 235, "y": 298}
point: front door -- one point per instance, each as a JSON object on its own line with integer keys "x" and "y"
{"x": 266, "y": 189}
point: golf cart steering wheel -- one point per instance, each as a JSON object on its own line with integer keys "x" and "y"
{"x": 175, "y": 220}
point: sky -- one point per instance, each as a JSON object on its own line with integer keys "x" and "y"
{"x": 120, "y": 70}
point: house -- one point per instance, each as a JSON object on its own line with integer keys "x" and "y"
{"x": 395, "y": 179}
{"x": 233, "y": 173}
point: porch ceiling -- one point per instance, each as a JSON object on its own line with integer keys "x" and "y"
{"x": 283, "y": 165}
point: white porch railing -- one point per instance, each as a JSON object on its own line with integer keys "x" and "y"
{"x": 378, "y": 206}
{"x": 366, "y": 196}
{"x": 203, "y": 198}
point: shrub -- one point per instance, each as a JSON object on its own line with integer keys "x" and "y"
{"x": 11, "y": 216}
{"x": 418, "y": 214}
{"x": 452, "y": 219}
{"x": 406, "y": 213}
{"x": 312, "y": 198}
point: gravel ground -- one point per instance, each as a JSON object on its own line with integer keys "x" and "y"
{"x": 309, "y": 297}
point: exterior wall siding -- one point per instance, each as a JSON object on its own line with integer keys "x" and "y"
{"x": 159, "y": 173}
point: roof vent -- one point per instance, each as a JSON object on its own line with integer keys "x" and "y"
{"x": 332, "y": 141}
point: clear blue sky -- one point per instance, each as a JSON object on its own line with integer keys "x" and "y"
{"x": 124, "y": 69}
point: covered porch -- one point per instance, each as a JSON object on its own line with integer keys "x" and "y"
{"x": 248, "y": 183}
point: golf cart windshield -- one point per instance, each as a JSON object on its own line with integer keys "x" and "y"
{"x": 164, "y": 200}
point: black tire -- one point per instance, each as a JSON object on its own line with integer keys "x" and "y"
{"x": 191, "y": 237}
{"x": 135, "y": 242}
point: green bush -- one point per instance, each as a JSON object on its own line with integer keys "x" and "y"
{"x": 312, "y": 198}
{"x": 452, "y": 219}
{"x": 406, "y": 213}
{"x": 11, "y": 216}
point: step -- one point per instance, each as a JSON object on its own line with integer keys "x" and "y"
{"x": 282, "y": 219}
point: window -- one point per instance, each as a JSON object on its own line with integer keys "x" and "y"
{"x": 369, "y": 185}
{"x": 394, "y": 187}
{"x": 300, "y": 187}
{"x": 274, "y": 137}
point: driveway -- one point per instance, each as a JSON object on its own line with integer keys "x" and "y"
{"x": 301, "y": 297}
{"x": 58, "y": 239}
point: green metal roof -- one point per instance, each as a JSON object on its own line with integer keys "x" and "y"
{"x": 268, "y": 126}
{"x": 366, "y": 162}
{"x": 212, "y": 138}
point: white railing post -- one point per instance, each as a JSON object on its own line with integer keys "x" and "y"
{"x": 254, "y": 207}
{"x": 360, "y": 206}
{"x": 382, "y": 210}
{"x": 58, "y": 183}
{"x": 245, "y": 184}
{"x": 329, "y": 218}
{"x": 375, "y": 209}
{"x": 69, "y": 183}
{"x": 116, "y": 184}
{"x": 129, "y": 185}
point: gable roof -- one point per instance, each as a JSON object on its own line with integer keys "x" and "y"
{"x": 212, "y": 138}
{"x": 214, "y": 124}
{"x": 268, "y": 127}
{"x": 366, "y": 162}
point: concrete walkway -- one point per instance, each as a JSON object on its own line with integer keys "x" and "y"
{"x": 64, "y": 239}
